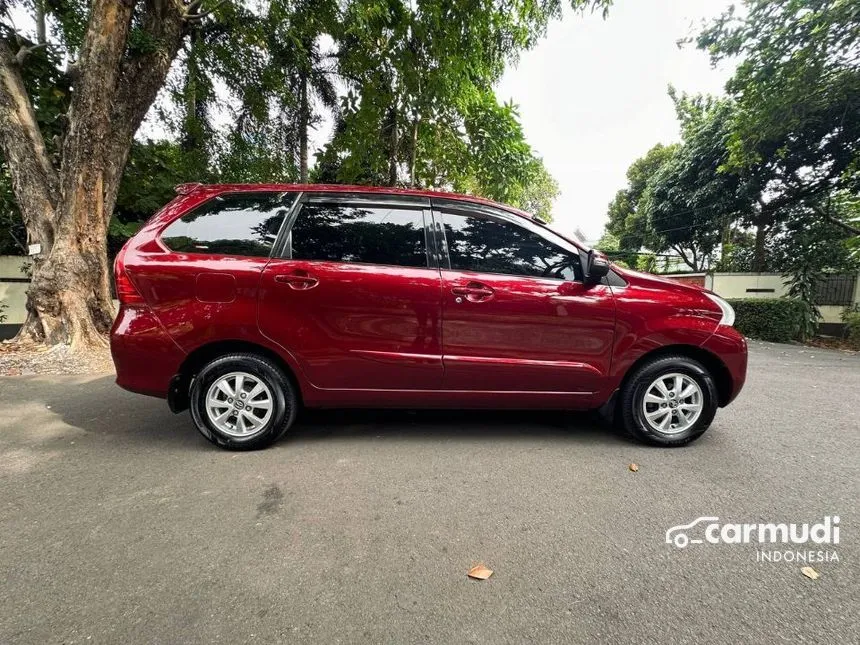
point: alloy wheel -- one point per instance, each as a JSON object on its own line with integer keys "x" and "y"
{"x": 239, "y": 404}
{"x": 672, "y": 403}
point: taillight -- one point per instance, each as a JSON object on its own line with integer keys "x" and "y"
{"x": 125, "y": 290}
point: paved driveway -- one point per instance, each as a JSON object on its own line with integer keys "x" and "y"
{"x": 118, "y": 523}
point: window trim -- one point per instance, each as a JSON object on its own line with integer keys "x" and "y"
{"x": 490, "y": 213}
{"x": 280, "y": 194}
{"x": 284, "y": 240}
{"x": 419, "y": 205}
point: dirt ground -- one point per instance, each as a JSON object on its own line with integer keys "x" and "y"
{"x": 30, "y": 360}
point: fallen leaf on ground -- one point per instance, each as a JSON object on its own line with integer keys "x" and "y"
{"x": 810, "y": 573}
{"x": 480, "y": 572}
{"x": 633, "y": 467}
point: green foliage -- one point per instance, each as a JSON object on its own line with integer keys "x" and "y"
{"x": 796, "y": 122}
{"x": 608, "y": 243}
{"x": 798, "y": 84}
{"x": 801, "y": 283}
{"x": 774, "y": 319}
{"x": 419, "y": 109}
{"x": 851, "y": 319}
{"x": 780, "y": 155}
{"x": 688, "y": 203}
{"x": 153, "y": 170}
{"x": 677, "y": 200}
{"x": 627, "y": 222}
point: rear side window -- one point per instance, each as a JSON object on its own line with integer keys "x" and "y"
{"x": 486, "y": 245}
{"x": 352, "y": 233}
{"x": 233, "y": 224}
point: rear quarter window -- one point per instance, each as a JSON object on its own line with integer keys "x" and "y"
{"x": 245, "y": 224}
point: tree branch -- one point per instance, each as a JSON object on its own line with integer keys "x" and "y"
{"x": 26, "y": 51}
{"x": 34, "y": 180}
{"x": 192, "y": 15}
{"x": 684, "y": 257}
{"x": 845, "y": 226}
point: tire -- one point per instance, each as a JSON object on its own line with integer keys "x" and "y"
{"x": 253, "y": 426}
{"x": 698, "y": 409}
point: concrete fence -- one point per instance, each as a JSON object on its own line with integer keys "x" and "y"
{"x": 834, "y": 293}
{"x": 14, "y": 281}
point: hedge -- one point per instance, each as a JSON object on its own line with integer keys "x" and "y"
{"x": 774, "y": 319}
{"x": 852, "y": 328}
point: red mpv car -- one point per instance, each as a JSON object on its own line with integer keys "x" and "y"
{"x": 246, "y": 302}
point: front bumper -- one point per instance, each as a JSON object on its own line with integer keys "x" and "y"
{"x": 731, "y": 347}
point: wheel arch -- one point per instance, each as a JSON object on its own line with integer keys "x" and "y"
{"x": 180, "y": 384}
{"x": 715, "y": 366}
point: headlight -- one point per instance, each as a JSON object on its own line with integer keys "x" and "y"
{"x": 728, "y": 313}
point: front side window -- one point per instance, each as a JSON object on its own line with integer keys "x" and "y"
{"x": 350, "y": 233}
{"x": 234, "y": 224}
{"x": 486, "y": 245}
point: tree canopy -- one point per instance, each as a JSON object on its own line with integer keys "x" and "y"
{"x": 771, "y": 169}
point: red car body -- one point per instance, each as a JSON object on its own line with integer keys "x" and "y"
{"x": 356, "y": 334}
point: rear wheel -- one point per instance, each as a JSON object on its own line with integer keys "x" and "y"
{"x": 242, "y": 402}
{"x": 669, "y": 401}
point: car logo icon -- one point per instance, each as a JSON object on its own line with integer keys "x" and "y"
{"x": 677, "y": 535}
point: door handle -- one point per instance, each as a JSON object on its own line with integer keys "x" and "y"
{"x": 298, "y": 281}
{"x": 473, "y": 292}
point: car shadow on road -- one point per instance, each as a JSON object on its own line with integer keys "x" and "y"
{"x": 99, "y": 407}
{"x": 451, "y": 424}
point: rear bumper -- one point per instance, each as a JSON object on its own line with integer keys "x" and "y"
{"x": 731, "y": 347}
{"x": 145, "y": 356}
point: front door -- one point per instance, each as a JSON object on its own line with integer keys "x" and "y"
{"x": 353, "y": 296}
{"x": 516, "y": 315}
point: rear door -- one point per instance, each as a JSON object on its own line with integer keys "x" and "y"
{"x": 353, "y": 291}
{"x": 516, "y": 315}
{"x": 201, "y": 277}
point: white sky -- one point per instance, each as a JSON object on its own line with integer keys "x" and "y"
{"x": 593, "y": 96}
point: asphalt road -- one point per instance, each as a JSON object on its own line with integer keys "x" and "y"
{"x": 119, "y": 524}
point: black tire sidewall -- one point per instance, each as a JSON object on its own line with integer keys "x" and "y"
{"x": 283, "y": 399}
{"x": 634, "y": 416}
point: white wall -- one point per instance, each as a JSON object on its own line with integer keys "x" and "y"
{"x": 738, "y": 285}
{"x": 13, "y": 294}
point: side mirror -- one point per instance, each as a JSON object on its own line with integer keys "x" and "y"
{"x": 595, "y": 267}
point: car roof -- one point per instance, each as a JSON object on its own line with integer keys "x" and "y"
{"x": 186, "y": 189}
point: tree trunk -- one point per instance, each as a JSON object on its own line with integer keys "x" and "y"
{"x": 759, "y": 250}
{"x": 413, "y": 151}
{"x": 392, "y": 145}
{"x": 67, "y": 209}
{"x": 41, "y": 25}
{"x": 686, "y": 259}
{"x": 725, "y": 243}
{"x": 304, "y": 124}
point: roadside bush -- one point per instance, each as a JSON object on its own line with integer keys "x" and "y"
{"x": 775, "y": 319}
{"x": 852, "y": 327}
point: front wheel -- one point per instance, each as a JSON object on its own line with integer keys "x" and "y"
{"x": 242, "y": 402}
{"x": 669, "y": 401}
